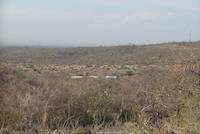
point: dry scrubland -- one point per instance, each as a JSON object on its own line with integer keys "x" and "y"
{"x": 157, "y": 90}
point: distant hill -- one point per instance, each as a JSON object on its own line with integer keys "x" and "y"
{"x": 164, "y": 53}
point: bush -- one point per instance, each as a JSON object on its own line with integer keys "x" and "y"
{"x": 29, "y": 100}
{"x": 130, "y": 73}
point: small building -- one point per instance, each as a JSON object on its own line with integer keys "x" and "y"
{"x": 93, "y": 76}
{"x": 76, "y": 77}
{"x": 111, "y": 77}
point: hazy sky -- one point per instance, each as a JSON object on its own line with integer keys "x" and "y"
{"x": 99, "y": 22}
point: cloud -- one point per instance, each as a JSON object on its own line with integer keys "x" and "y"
{"x": 153, "y": 16}
{"x": 27, "y": 12}
{"x": 142, "y": 16}
{"x": 119, "y": 17}
{"x": 187, "y": 5}
{"x": 192, "y": 5}
{"x": 82, "y": 18}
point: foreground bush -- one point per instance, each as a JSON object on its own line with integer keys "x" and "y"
{"x": 156, "y": 99}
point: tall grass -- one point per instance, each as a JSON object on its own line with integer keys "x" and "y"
{"x": 156, "y": 101}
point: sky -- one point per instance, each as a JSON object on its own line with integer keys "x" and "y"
{"x": 98, "y": 22}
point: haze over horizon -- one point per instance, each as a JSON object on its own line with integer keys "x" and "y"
{"x": 98, "y": 22}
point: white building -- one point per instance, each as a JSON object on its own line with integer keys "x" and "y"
{"x": 111, "y": 77}
{"x": 93, "y": 76}
{"x": 76, "y": 77}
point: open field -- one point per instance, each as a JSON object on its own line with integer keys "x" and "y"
{"x": 156, "y": 89}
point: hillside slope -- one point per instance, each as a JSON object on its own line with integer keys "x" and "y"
{"x": 166, "y": 53}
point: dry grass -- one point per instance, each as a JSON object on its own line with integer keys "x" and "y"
{"x": 153, "y": 102}
{"x": 153, "y": 99}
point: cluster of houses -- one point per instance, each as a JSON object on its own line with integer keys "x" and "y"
{"x": 94, "y": 77}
